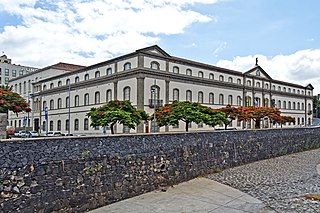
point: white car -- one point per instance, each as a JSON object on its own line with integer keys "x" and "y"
{"x": 54, "y": 134}
{"x": 20, "y": 134}
{"x": 33, "y": 134}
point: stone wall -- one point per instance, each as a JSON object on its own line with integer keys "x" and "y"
{"x": 78, "y": 174}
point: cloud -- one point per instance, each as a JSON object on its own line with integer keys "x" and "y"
{"x": 87, "y": 32}
{"x": 301, "y": 67}
{"x": 221, "y": 47}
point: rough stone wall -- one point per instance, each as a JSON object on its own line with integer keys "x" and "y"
{"x": 3, "y": 125}
{"x": 78, "y": 174}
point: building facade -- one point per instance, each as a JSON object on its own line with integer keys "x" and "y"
{"x": 150, "y": 77}
{"x": 9, "y": 71}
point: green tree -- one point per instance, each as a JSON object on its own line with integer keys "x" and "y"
{"x": 12, "y": 101}
{"x": 185, "y": 111}
{"x": 230, "y": 114}
{"x": 121, "y": 112}
{"x": 316, "y": 106}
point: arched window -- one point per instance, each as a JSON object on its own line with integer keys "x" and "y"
{"x": 211, "y": 76}
{"x": 44, "y": 88}
{"x": 230, "y": 99}
{"x": 109, "y": 95}
{"x": 258, "y": 84}
{"x": 155, "y": 65}
{"x": 67, "y": 125}
{"x": 309, "y": 93}
{"x": 51, "y": 86}
{"x": 238, "y": 81}
{"x": 127, "y": 66}
{"x": 76, "y": 124}
{"x": 211, "y": 98}
{"x": 189, "y": 95}
{"x": 86, "y": 124}
{"x": 248, "y": 101}
{"x": 200, "y": 97}
{"x": 279, "y": 104}
{"x": 249, "y": 83}
{"x": 294, "y": 105}
{"x": 97, "y": 98}
{"x": 155, "y": 94}
{"x": 266, "y": 102}
{"x": 221, "y": 99}
{"x": 59, "y": 103}
{"x": 76, "y": 100}
{"x": 298, "y": 105}
{"x": 59, "y": 83}
{"x": 298, "y": 121}
{"x": 175, "y": 94}
{"x": 67, "y": 102}
{"x": 175, "y": 69}
{"x": 44, "y": 104}
{"x": 239, "y": 100}
{"x": 267, "y": 86}
{"x": 284, "y": 89}
{"x": 289, "y": 89}
{"x": 51, "y": 104}
{"x": 59, "y": 125}
{"x": 51, "y": 126}
{"x": 76, "y": 79}
{"x": 284, "y": 105}
{"x": 44, "y": 125}
{"x": 294, "y": 91}
{"x": 230, "y": 80}
{"x": 289, "y": 105}
{"x": 109, "y": 71}
{"x": 274, "y": 87}
{"x": 279, "y": 88}
{"x": 126, "y": 93}
{"x": 298, "y": 91}
{"x": 68, "y": 81}
{"x": 221, "y": 78}
{"x": 86, "y": 77}
{"x": 97, "y": 74}
{"x": 86, "y": 99}
{"x": 309, "y": 107}
{"x": 189, "y": 72}
{"x": 200, "y": 74}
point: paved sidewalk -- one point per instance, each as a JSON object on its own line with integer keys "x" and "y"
{"x": 198, "y": 195}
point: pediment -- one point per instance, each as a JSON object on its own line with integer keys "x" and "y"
{"x": 155, "y": 49}
{"x": 258, "y": 72}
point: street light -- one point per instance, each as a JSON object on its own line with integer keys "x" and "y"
{"x": 153, "y": 92}
{"x": 69, "y": 110}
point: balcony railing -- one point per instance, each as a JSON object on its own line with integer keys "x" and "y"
{"x": 155, "y": 103}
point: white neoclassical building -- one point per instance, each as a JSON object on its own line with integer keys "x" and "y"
{"x": 149, "y": 77}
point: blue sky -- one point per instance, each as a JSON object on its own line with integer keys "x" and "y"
{"x": 284, "y": 34}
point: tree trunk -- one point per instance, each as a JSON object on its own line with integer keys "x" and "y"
{"x": 187, "y": 126}
{"x": 112, "y": 128}
{"x": 225, "y": 126}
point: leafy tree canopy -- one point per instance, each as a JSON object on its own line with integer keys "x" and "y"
{"x": 121, "y": 112}
{"x": 230, "y": 113}
{"x": 12, "y": 101}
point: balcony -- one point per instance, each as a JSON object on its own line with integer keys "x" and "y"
{"x": 155, "y": 103}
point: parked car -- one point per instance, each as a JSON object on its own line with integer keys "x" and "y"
{"x": 54, "y": 134}
{"x": 21, "y": 133}
{"x": 33, "y": 134}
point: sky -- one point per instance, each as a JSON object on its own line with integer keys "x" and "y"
{"x": 283, "y": 34}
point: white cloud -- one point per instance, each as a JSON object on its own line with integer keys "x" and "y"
{"x": 301, "y": 67}
{"x": 87, "y": 32}
{"x": 221, "y": 47}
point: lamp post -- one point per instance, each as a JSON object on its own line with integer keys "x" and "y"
{"x": 69, "y": 109}
{"x": 153, "y": 92}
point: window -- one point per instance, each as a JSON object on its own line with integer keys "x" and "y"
{"x": 266, "y": 102}
{"x": 294, "y": 91}
{"x": 298, "y": 106}
{"x": 279, "y": 104}
{"x": 16, "y": 87}
{"x": 20, "y": 72}
{"x": 109, "y": 71}
{"x": 230, "y": 80}
{"x": 67, "y": 125}
{"x": 284, "y": 105}
{"x": 59, "y": 103}
{"x": 309, "y": 93}
{"x": 176, "y": 70}
{"x": 294, "y": 105}
{"x": 67, "y": 102}
{"x": 284, "y": 89}
{"x": 68, "y": 81}
{"x": 59, "y": 83}
{"x": 289, "y": 89}
{"x": 76, "y": 100}
{"x": 175, "y": 94}
{"x": 298, "y": 121}
{"x": 126, "y": 93}
{"x": 76, "y": 79}
{"x": 59, "y": 125}
{"x": 279, "y": 88}
{"x": 200, "y": 97}
{"x": 86, "y": 124}
{"x": 20, "y": 88}
{"x": 51, "y": 126}
{"x": 189, "y": 95}
{"x": 302, "y": 121}
{"x": 86, "y": 77}
{"x": 200, "y": 74}
{"x": 267, "y": 86}
{"x": 309, "y": 107}
{"x": 51, "y": 86}
{"x": 289, "y": 105}
{"x": 238, "y": 81}
{"x": 14, "y": 73}
{"x": 24, "y": 87}
{"x": 109, "y": 95}
{"x": 76, "y": 124}
{"x": 189, "y": 72}
{"x": 127, "y": 66}
{"x": 274, "y": 87}
{"x": 44, "y": 125}
{"x": 29, "y": 86}
{"x": 86, "y": 99}
{"x": 44, "y": 104}
{"x": 221, "y": 78}
{"x": 221, "y": 101}
{"x": 97, "y": 74}
{"x": 97, "y": 98}
{"x": 6, "y": 72}
{"x": 230, "y": 99}
{"x": 258, "y": 84}
{"x": 238, "y": 100}
{"x": 298, "y": 91}
{"x": 248, "y": 101}
{"x": 211, "y": 98}
{"x": 51, "y": 104}
{"x": 211, "y": 76}
{"x": 154, "y": 65}
{"x": 249, "y": 83}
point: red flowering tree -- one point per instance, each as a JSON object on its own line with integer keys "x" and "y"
{"x": 187, "y": 112}
{"x": 12, "y": 101}
{"x": 121, "y": 112}
{"x": 230, "y": 113}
